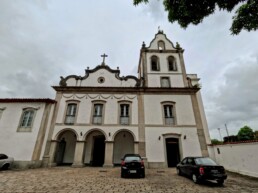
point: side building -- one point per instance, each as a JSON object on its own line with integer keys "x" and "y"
{"x": 101, "y": 116}
{"x": 24, "y": 126}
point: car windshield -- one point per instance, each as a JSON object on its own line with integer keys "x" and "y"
{"x": 205, "y": 161}
{"x": 132, "y": 158}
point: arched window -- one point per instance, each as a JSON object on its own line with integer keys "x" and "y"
{"x": 70, "y": 113}
{"x": 161, "y": 45}
{"x": 27, "y": 118}
{"x": 169, "y": 113}
{"x": 154, "y": 63}
{"x": 98, "y": 112}
{"x": 26, "y": 121}
{"x": 172, "y": 64}
{"x": 125, "y": 112}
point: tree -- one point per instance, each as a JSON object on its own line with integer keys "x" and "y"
{"x": 256, "y": 135}
{"x": 245, "y": 133}
{"x": 187, "y": 12}
{"x": 216, "y": 142}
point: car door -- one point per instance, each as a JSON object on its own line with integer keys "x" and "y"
{"x": 189, "y": 166}
{"x": 183, "y": 165}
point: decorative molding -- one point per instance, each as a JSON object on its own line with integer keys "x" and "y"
{"x": 88, "y": 71}
{"x": 30, "y": 107}
{"x": 99, "y": 96}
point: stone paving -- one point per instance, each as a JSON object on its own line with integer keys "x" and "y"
{"x": 100, "y": 180}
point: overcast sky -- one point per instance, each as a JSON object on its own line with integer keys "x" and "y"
{"x": 41, "y": 40}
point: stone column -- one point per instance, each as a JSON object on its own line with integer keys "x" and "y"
{"x": 52, "y": 152}
{"x": 78, "y": 155}
{"x": 109, "y": 154}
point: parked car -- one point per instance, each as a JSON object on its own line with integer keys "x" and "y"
{"x": 5, "y": 161}
{"x": 201, "y": 168}
{"x": 132, "y": 164}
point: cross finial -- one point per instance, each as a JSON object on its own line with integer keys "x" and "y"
{"x": 104, "y": 56}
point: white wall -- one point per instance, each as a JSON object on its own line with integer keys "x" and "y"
{"x": 19, "y": 145}
{"x": 110, "y": 80}
{"x": 153, "y": 109}
{"x": 111, "y": 109}
{"x": 241, "y": 158}
{"x": 156, "y": 149}
{"x": 176, "y": 80}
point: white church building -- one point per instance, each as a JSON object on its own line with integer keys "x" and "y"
{"x": 97, "y": 118}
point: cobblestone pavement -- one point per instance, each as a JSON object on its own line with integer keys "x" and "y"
{"x": 100, "y": 180}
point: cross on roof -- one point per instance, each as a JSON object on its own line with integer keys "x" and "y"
{"x": 104, "y": 56}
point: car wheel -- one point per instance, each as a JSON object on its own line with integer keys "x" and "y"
{"x": 122, "y": 175}
{"x": 143, "y": 175}
{"x": 178, "y": 171}
{"x": 5, "y": 167}
{"x": 195, "y": 179}
{"x": 220, "y": 182}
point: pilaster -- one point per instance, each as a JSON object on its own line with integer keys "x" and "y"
{"x": 109, "y": 154}
{"x": 78, "y": 155}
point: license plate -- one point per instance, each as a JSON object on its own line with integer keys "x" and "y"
{"x": 215, "y": 171}
{"x": 133, "y": 171}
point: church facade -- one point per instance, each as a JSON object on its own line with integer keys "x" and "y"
{"x": 96, "y": 119}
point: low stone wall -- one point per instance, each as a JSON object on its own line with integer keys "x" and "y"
{"x": 241, "y": 157}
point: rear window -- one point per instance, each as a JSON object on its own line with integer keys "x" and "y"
{"x": 205, "y": 161}
{"x": 132, "y": 158}
{"x": 3, "y": 156}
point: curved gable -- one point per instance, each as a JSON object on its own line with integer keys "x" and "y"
{"x": 102, "y": 76}
{"x": 160, "y": 36}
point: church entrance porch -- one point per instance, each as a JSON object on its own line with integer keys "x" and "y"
{"x": 172, "y": 150}
{"x": 65, "y": 148}
{"x": 98, "y": 150}
{"x": 94, "y": 150}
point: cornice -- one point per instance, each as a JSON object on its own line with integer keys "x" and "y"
{"x": 128, "y": 90}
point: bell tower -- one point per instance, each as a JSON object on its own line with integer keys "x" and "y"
{"x": 162, "y": 64}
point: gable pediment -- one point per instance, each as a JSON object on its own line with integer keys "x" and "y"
{"x": 102, "y": 76}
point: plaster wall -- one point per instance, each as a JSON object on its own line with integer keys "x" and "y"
{"x": 156, "y": 149}
{"x": 154, "y": 80}
{"x": 240, "y": 158}
{"x": 163, "y": 63}
{"x": 154, "y": 111}
{"x": 109, "y": 80}
{"x": 158, "y": 37}
{"x": 19, "y": 145}
{"x": 111, "y": 107}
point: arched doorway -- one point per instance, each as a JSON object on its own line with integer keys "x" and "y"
{"x": 65, "y": 148}
{"x": 95, "y": 148}
{"x": 172, "y": 149}
{"x": 123, "y": 144}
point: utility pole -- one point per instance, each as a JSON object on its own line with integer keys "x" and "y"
{"x": 220, "y": 134}
{"x": 226, "y": 129}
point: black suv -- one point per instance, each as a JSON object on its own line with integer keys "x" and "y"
{"x": 132, "y": 164}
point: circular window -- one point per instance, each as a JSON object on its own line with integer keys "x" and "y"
{"x": 101, "y": 80}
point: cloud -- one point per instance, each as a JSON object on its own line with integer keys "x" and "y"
{"x": 235, "y": 100}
